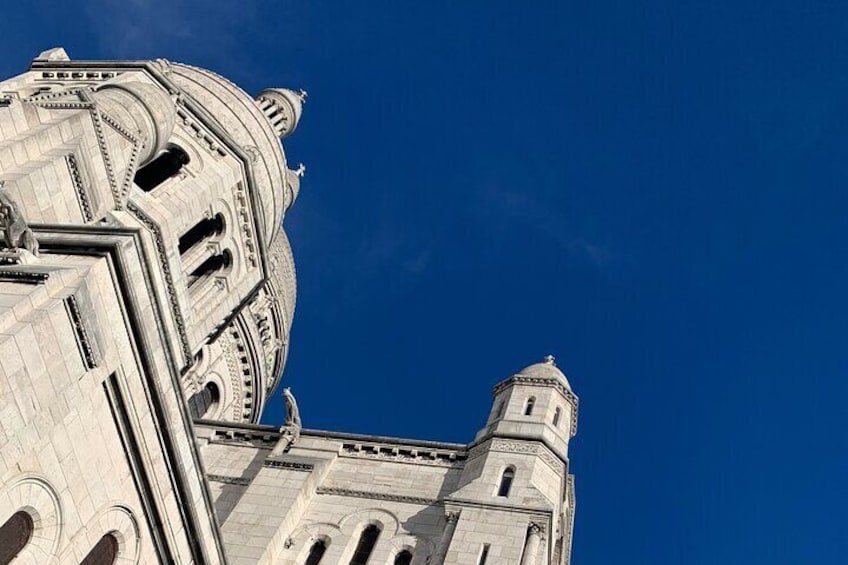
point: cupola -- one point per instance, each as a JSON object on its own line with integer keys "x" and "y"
{"x": 283, "y": 108}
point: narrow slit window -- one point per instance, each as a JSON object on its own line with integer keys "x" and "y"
{"x": 366, "y": 544}
{"x": 316, "y": 552}
{"x": 105, "y": 552}
{"x": 484, "y": 554}
{"x": 506, "y": 481}
{"x": 15, "y": 534}
{"x": 403, "y": 558}
{"x": 166, "y": 165}
{"x": 557, "y": 414}
{"x": 528, "y": 408}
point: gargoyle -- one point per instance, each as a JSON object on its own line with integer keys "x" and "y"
{"x": 16, "y": 232}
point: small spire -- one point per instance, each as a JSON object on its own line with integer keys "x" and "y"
{"x": 550, "y": 360}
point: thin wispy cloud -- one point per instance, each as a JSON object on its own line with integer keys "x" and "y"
{"x": 507, "y": 205}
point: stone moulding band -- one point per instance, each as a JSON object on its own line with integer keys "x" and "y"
{"x": 377, "y": 495}
{"x": 241, "y": 481}
{"x": 403, "y": 454}
{"x": 161, "y": 252}
{"x": 90, "y": 356}
{"x": 293, "y": 465}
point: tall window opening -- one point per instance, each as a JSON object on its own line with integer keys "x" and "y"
{"x": 202, "y": 404}
{"x": 528, "y": 408}
{"x": 202, "y": 230}
{"x": 316, "y": 552}
{"x": 210, "y": 266}
{"x": 15, "y": 533}
{"x": 166, "y": 165}
{"x": 105, "y": 552}
{"x": 506, "y": 481}
{"x": 484, "y": 554}
{"x": 403, "y": 558}
{"x": 366, "y": 544}
{"x": 557, "y": 414}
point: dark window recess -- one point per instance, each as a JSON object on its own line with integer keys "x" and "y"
{"x": 203, "y": 229}
{"x": 557, "y": 413}
{"x": 209, "y": 267}
{"x": 528, "y": 409}
{"x": 403, "y": 558}
{"x": 105, "y": 552}
{"x": 203, "y": 402}
{"x": 506, "y": 482}
{"x": 316, "y": 553}
{"x": 166, "y": 165}
{"x": 14, "y": 535}
{"x": 484, "y": 554}
{"x": 366, "y": 544}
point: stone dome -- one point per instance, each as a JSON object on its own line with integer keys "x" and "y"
{"x": 283, "y": 276}
{"x": 547, "y": 369}
{"x": 241, "y": 117}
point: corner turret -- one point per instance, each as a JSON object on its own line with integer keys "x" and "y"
{"x": 536, "y": 403}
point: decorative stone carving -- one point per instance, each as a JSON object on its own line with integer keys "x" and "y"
{"x": 241, "y": 481}
{"x": 404, "y": 454}
{"x": 292, "y": 426}
{"x": 16, "y": 232}
{"x": 376, "y": 495}
{"x": 292, "y": 411}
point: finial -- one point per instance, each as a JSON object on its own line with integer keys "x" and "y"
{"x": 550, "y": 360}
{"x": 301, "y": 170}
{"x": 302, "y": 94}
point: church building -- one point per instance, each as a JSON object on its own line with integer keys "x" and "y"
{"x": 147, "y": 292}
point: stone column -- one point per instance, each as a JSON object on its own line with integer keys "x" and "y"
{"x": 447, "y": 535}
{"x": 531, "y": 545}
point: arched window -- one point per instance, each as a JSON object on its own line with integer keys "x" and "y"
{"x": 202, "y": 230}
{"x": 166, "y": 165}
{"x": 506, "y": 481}
{"x": 14, "y": 535}
{"x": 210, "y": 266}
{"x": 203, "y": 403}
{"x": 557, "y": 414}
{"x": 316, "y": 552}
{"x": 403, "y": 558}
{"x": 528, "y": 408}
{"x": 366, "y": 544}
{"x": 105, "y": 552}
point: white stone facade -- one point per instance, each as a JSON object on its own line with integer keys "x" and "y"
{"x": 147, "y": 291}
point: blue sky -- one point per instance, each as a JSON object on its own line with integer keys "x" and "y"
{"x": 655, "y": 193}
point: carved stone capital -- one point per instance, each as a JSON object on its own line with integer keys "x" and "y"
{"x": 452, "y": 517}
{"x": 536, "y": 529}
